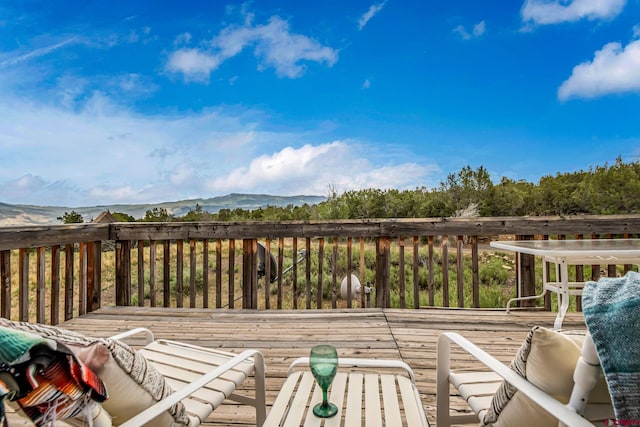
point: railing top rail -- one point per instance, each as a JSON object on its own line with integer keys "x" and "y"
{"x": 51, "y": 235}
{"x": 34, "y": 236}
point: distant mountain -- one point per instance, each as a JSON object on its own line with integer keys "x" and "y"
{"x": 47, "y": 215}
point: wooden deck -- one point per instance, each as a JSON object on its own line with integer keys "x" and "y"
{"x": 284, "y": 335}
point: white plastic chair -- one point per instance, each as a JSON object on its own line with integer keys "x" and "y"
{"x": 198, "y": 375}
{"x": 478, "y": 387}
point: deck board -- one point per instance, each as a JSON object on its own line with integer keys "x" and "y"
{"x": 284, "y": 335}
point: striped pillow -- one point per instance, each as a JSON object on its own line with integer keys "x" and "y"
{"x": 547, "y": 359}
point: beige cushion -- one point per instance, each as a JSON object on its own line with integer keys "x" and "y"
{"x": 132, "y": 383}
{"x": 547, "y": 358}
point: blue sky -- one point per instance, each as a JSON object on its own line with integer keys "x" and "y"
{"x": 150, "y": 101}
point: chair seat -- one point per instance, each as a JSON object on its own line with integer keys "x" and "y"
{"x": 476, "y": 388}
{"x": 202, "y": 378}
{"x": 182, "y": 364}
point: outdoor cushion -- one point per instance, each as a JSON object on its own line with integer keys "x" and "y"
{"x": 133, "y": 384}
{"x": 547, "y": 358}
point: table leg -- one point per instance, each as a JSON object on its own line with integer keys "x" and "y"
{"x": 563, "y": 294}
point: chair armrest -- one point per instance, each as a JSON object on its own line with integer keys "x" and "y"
{"x": 153, "y": 411}
{"x": 546, "y": 401}
{"x": 131, "y": 332}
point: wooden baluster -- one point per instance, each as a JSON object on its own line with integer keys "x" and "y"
{"x": 320, "y": 288}
{"x": 401, "y": 284}
{"x": 445, "y": 271}
{"x": 205, "y": 273}
{"x": 54, "y": 312}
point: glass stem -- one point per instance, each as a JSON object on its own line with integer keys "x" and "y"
{"x": 325, "y": 401}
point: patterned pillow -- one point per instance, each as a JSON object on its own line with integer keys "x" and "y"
{"x": 547, "y": 359}
{"x": 133, "y": 384}
{"x": 44, "y": 381}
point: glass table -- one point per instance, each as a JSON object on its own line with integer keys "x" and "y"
{"x": 563, "y": 253}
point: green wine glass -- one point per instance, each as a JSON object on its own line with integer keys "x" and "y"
{"x": 324, "y": 365}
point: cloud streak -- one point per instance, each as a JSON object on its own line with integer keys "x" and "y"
{"x": 36, "y": 53}
{"x": 373, "y": 11}
{"x": 545, "y": 12}
{"x": 477, "y": 31}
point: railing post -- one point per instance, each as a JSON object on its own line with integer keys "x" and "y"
{"x": 140, "y": 245}
{"x": 527, "y": 273}
{"x": 430, "y": 279}
{"x": 69, "y": 255}
{"x": 401, "y": 284}
{"x": 192, "y": 273}
{"x": 319, "y": 287}
{"x": 205, "y": 273}
{"x": 349, "y": 268}
{"x": 5, "y": 284}
{"x": 40, "y": 284}
{"x": 55, "y": 285}
{"x": 123, "y": 272}
{"x": 460, "y": 270}
{"x": 363, "y": 296}
{"x": 166, "y": 273}
{"x": 231, "y": 269}
{"x": 280, "y": 258}
{"x": 416, "y": 272}
{"x": 445, "y": 270}
{"x": 179, "y": 273}
{"x": 250, "y": 273}
{"x": 82, "y": 278}
{"x": 307, "y": 272}
{"x": 383, "y": 265}
{"x": 475, "y": 272}
{"x": 294, "y": 273}
{"x": 334, "y": 274}
{"x": 94, "y": 278}
{"x": 23, "y": 285}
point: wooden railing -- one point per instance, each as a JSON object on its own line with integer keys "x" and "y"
{"x": 406, "y": 262}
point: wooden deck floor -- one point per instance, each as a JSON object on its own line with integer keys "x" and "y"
{"x": 409, "y": 335}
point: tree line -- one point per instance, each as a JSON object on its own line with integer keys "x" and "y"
{"x": 600, "y": 190}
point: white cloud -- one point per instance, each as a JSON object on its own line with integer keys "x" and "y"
{"x": 478, "y": 30}
{"x": 278, "y": 48}
{"x": 193, "y": 64}
{"x": 133, "y": 84}
{"x": 274, "y": 45}
{"x": 463, "y": 33}
{"x": 182, "y": 39}
{"x": 557, "y": 11}
{"x": 366, "y": 84}
{"x": 373, "y": 11}
{"x": 314, "y": 168}
{"x": 614, "y": 69}
{"x": 636, "y": 31}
